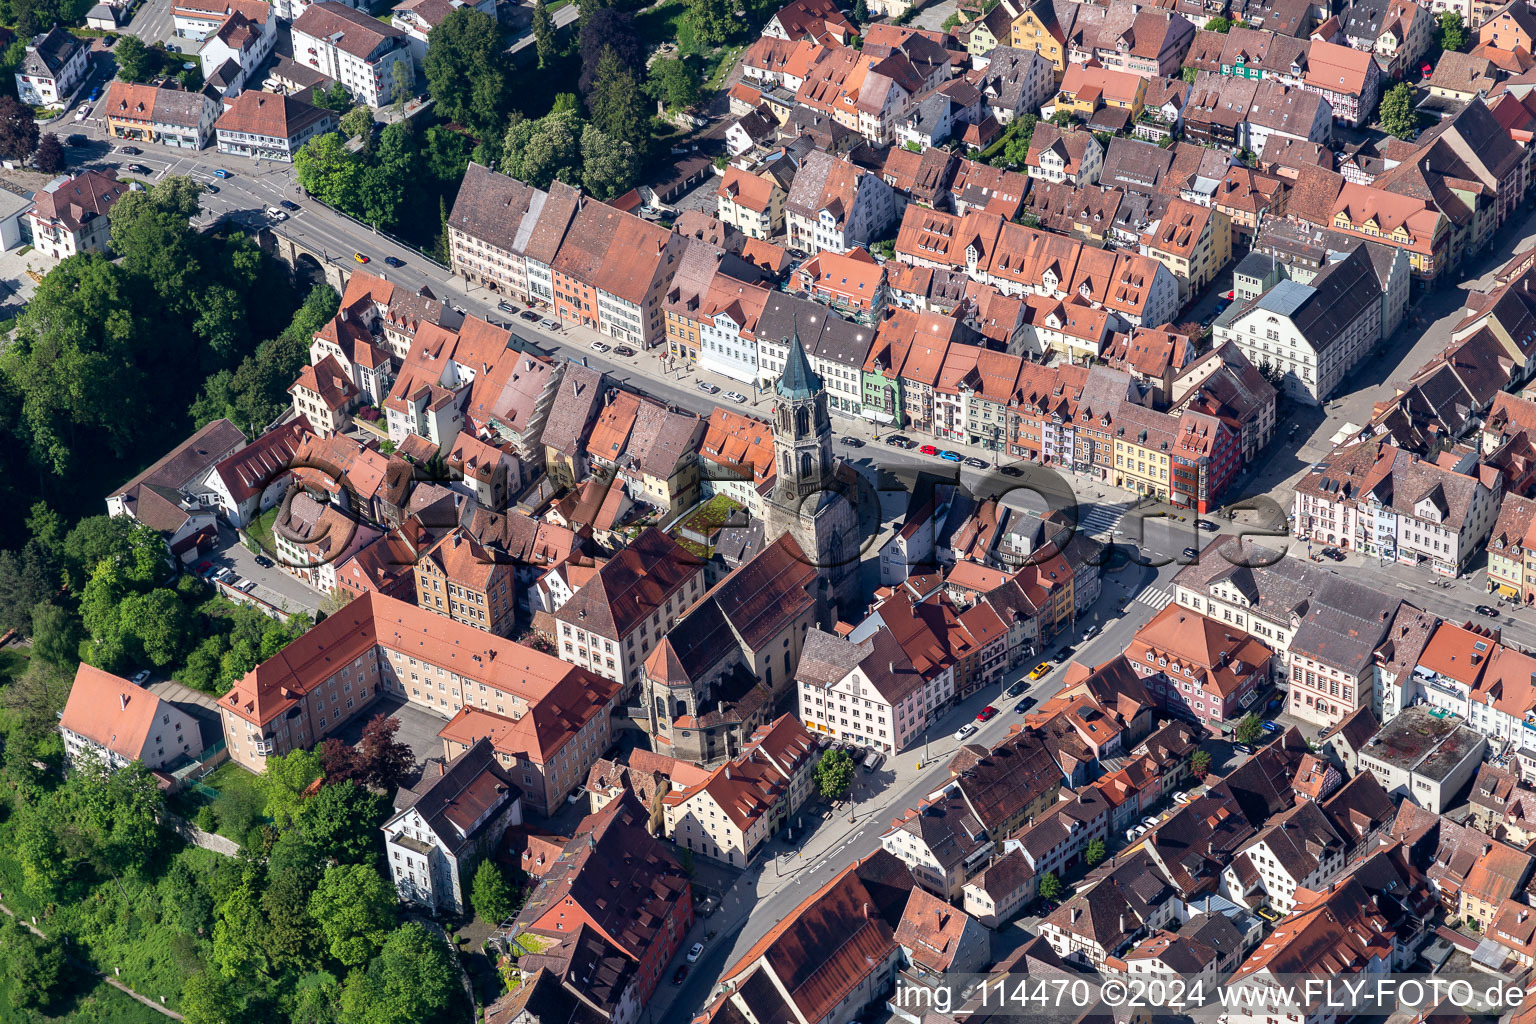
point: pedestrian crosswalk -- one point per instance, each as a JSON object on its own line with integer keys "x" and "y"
{"x": 1155, "y": 599}
{"x": 1101, "y": 520}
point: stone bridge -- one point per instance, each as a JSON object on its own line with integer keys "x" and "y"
{"x": 301, "y": 256}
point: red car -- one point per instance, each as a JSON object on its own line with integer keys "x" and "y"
{"x": 987, "y": 714}
{"x": 928, "y": 449}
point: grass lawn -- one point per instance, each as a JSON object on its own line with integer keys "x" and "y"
{"x": 724, "y": 59}
{"x": 260, "y": 529}
{"x": 231, "y": 791}
{"x": 659, "y": 24}
{"x": 13, "y": 662}
{"x": 555, "y": 5}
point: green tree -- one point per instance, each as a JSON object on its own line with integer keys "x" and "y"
{"x": 834, "y": 774}
{"x": 412, "y": 980}
{"x": 616, "y": 102}
{"x": 354, "y": 908}
{"x": 46, "y": 868}
{"x": 609, "y": 166}
{"x": 55, "y": 635}
{"x": 184, "y": 900}
{"x": 491, "y": 896}
{"x": 466, "y": 70}
{"x": 316, "y": 999}
{"x": 1061, "y": 118}
{"x": 673, "y": 83}
{"x": 94, "y": 539}
{"x": 135, "y": 61}
{"x": 1200, "y": 764}
{"x": 401, "y": 84}
{"x": 1095, "y": 853}
{"x": 544, "y": 34}
{"x": 159, "y": 625}
{"x": 283, "y": 782}
{"x": 1453, "y": 34}
{"x": 293, "y": 937}
{"x": 327, "y": 171}
{"x": 1219, "y": 24}
{"x": 119, "y": 810}
{"x": 357, "y": 121}
{"x": 33, "y": 964}
{"x": 207, "y": 998}
{"x": 712, "y": 21}
{"x": 28, "y": 579}
{"x": 342, "y": 821}
{"x": 1049, "y": 887}
{"x": 237, "y": 934}
{"x": 543, "y": 151}
{"x": 1397, "y": 115}
{"x": 860, "y": 12}
{"x": 1188, "y": 74}
{"x": 1249, "y": 729}
{"x": 336, "y": 98}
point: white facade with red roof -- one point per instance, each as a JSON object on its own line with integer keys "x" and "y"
{"x": 115, "y": 722}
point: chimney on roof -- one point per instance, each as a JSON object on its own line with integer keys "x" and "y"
{"x": 442, "y": 768}
{"x": 1076, "y": 913}
{"x": 123, "y": 700}
{"x": 866, "y": 911}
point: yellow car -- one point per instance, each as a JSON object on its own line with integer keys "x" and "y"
{"x": 1040, "y": 670}
{"x": 360, "y": 257}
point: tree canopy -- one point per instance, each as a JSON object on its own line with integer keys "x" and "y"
{"x": 466, "y": 70}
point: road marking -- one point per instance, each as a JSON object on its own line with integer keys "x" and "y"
{"x": 1155, "y": 599}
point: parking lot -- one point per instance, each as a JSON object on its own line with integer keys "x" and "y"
{"x": 272, "y": 585}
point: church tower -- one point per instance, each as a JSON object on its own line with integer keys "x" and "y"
{"x": 802, "y": 428}
{"x": 813, "y": 496}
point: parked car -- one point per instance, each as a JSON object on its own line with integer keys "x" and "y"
{"x": 290, "y": 205}
{"x": 966, "y": 732}
{"x": 976, "y": 463}
{"x": 360, "y": 257}
{"x": 708, "y": 388}
{"x": 1269, "y": 726}
{"x": 1040, "y": 670}
{"x": 548, "y": 324}
{"x": 1206, "y": 525}
{"x": 1333, "y": 553}
{"x": 264, "y": 561}
{"x": 949, "y": 456}
{"x": 1011, "y": 471}
{"x": 986, "y": 714}
{"x": 506, "y": 307}
{"x": 130, "y": 150}
{"x": 83, "y": 113}
{"x": 851, "y": 442}
{"x": 623, "y": 350}
{"x": 1242, "y": 748}
{"x": 929, "y": 449}
{"x": 204, "y": 568}
{"x": 1488, "y": 610}
{"x": 1023, "y": 705}
{"x": 735, "y": 396}
{"x": 598, "y": 346}
{"x": 1191, "y": 553}
{"x": 394, "y": 262}
{"x": 530, "y": 316}
{"x": 1063, "y": 653}
{"x": 696, "y": 952}
{"x": 679, "y": 974}
{"x": 899, "y": 441}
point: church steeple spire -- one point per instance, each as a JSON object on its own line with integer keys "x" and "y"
{"x": 798, "y": 381}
